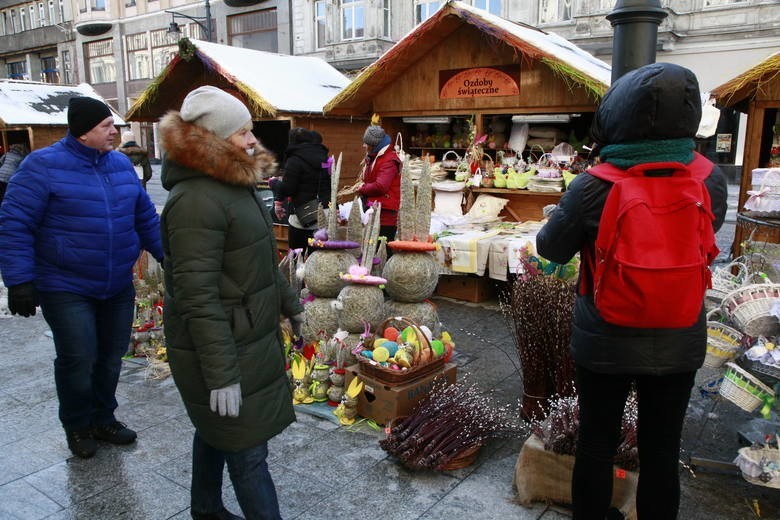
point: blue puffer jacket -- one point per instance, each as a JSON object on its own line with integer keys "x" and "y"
{"x": 74, "y": 219}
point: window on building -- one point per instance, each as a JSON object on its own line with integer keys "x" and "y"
{"x": 67, "y": 76}
{"x": 491, "y": 6}
{"x": 254, "y": 30}
{"x": 713, "y": 3}
{"x": 17, "y": 70}
{"x": 62, "y": 11}
{"x": 321, "y": 23}
{"x": 551, "y": 11}
{"x": 99, "y": 56}
{"x": 98, "y": 5}
{"x": 139, "y": 64}
{"x": 385, "y": 18}
{"x": 352, "y": 19}
{"x": 49, "y": 70}
{"x": 424, "y": 9}
{"x": 164, "y": 48}
{"x": 14, "y": 23}
{"x": 3, "y": 23}
{"x": 33, "y": 18}
{"x": 130, "y": 3}
{"x": 52, "y": 13}
{"x": 195, "y": 30}
{"x": 22, "y": 19}
{"x": 42, "y": 14}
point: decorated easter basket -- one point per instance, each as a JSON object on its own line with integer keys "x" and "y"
{"x": 723, "y": 343}
{"x": 760, "y": 466}
{"x": 392, "y": 376}
{"x": 743, "y": 389}
{"x": 750, "y": 308}
{"x": 450, "y": 161}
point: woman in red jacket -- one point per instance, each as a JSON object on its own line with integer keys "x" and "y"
{"x": 381, "y": 179}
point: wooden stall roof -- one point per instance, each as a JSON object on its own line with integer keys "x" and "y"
{"x": 752, "y": 83}
{"x": 572, "y": 64}
{"x": 31, "y": 103}
{"x": 270, "y": 84}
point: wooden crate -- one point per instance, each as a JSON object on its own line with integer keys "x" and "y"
{"x": 470, "y": 288}
{"x": 281, "y": 232}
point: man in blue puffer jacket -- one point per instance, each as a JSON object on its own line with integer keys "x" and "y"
{"x": 72, "y": 225}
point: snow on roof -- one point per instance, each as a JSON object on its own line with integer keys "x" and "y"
{"x": 562, "y": 56}
{"x": 288, "y": 83}
{"x": 32, "y": 103}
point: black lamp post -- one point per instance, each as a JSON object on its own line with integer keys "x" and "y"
{"x": 173, "y": 28}
{"x": 636, "y": 34}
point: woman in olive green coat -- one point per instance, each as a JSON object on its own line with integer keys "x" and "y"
{"x": 224, "y": 297}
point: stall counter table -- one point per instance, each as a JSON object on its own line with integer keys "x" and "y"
{"x": 523, "y": 204}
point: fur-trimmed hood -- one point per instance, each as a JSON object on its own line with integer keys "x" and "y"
{"x": 199, "y": 150}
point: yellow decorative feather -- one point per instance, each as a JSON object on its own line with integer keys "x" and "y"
{"x": 376, "y": 120}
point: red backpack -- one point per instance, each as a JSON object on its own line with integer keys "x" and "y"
{"x": 654, "y": 246}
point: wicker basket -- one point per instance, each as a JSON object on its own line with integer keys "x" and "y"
{"x": 395, "y": 377}
{"x": 754, "y": 463}
{"x": 723, "y": 344}
{"x": 725, "y": 281}
{"x": 450, "y": 161}
{"x": 750, "y": 308}
{"x": 743, "y": 389}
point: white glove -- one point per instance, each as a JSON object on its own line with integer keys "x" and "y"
{"x": 296, "y": 322}
{"x": 226, "y": 401}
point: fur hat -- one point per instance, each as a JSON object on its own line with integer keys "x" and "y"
{"x": 127, "y": 136}
{"x": 215, "y": 110}
{"x": 85, "y": 113}
{"x": 373, "y": 135}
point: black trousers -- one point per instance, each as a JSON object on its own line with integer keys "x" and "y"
{"x": 663, "y": 401}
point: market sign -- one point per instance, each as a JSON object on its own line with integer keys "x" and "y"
{"x": 479, "y": 82}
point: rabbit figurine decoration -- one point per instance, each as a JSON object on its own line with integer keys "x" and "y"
{"x": 300, "y": 392}
{"x": 346, "y": 411}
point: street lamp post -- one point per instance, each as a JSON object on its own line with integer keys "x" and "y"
{"x": 636, "y": 34}
{"x": 173, "y": 28}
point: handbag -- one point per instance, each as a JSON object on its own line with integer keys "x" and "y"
{"x": 307, "y": 212}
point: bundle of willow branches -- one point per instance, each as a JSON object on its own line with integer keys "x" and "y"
{"x": 559, "y": 430}
{"x": 538, "y": 310}
{"x": 451, "y": 420}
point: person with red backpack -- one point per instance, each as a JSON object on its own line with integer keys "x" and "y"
{"x": 643, "y": 222}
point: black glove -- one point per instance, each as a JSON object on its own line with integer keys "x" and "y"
{"x": 22, "y": 299}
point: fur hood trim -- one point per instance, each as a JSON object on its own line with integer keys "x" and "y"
{"x": 196, "y": 148}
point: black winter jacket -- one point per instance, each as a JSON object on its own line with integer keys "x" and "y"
{"x": 304, "y": 177}
{"x": 573, "y": 226}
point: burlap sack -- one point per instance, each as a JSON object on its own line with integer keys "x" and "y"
{"x": 544, "y": 476}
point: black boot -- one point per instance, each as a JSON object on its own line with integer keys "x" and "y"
{"x": 220, "y": 515}
{"x": 81, "y": 443}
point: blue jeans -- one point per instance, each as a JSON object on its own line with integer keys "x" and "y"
{"x": 663, "y": 401}
{"x": 248, "y": 470}
{"x": 90, "y": 338}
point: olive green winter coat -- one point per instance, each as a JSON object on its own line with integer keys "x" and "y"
{"x": 224, "y": 293}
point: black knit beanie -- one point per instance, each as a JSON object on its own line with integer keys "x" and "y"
{"x": 85, "y": 113}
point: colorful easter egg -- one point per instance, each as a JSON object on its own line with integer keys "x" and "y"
{"x": 438, "y": 347}
{"x": 367, "y": 353}
{"x": 390, "y": 333}
{"x": 391, "y": 346}
{"x": 378, "y": 342}
{"x": 381, "y": 354}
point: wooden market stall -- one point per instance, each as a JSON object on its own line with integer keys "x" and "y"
{"x": 280, "y": 91}
{"x": 465, "y": 69}
{"x": 35, "y": 113}
{"x": 755, "y": 92}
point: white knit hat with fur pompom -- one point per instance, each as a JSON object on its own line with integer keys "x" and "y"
{"x": 215, "y": 110}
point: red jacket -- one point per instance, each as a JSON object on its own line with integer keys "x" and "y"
{"x": 382, "y": 183}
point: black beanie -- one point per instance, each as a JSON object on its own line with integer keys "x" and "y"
{"x": 85, "y": 113}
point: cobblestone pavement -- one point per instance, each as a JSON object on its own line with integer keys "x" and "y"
{"x": 322, "y": 471}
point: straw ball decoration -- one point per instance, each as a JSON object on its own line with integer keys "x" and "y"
{"x": 422, "y": 313}
{"x": 318, "y": 314}
{"x": 359, "y": 304}
{"x": 321, "y": 273}
{"x": 411, "y": 277}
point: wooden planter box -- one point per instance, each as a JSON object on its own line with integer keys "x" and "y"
{"x": 544, "y": 476}
{"x": 468, "y": 288}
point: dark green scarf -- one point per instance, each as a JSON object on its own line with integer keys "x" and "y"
{"x": 639, "y": 152}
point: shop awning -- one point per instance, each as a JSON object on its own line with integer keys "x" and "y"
{"x": 575, "y": 65}
{"x": 270, "y": 84}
